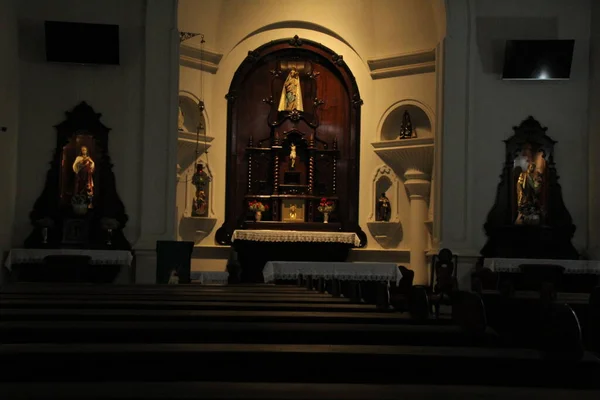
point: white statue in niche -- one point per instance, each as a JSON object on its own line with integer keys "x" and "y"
{"x": 180, "y": 120}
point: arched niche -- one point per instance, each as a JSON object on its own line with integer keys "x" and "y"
{"x": 192, "y": 143}
{"x": 330, "y": 120}
{"x": 385, "y": 181}
{"x": 387, "y": 233}
{"x": 421, "y": 118}
{"x": 191, "y": 114}
{"x": 192, "y": 135}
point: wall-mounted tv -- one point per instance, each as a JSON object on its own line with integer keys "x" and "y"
{"x": 80, "y": 43}
{"x": 538, "y": 59}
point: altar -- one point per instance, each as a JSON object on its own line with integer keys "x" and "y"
{"x": 257, "y": 247}
{"x": 99, "y": 266}
{"x": 573, "y": 276}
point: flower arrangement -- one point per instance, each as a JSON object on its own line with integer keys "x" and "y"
{"x": 79, "y": 200}
{"x": 257, "y": 206}
{"x": 326, "y": 206}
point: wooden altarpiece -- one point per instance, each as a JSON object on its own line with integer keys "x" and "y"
{"x": 99, "y": 220}
{"x": 289, "y": 159}
{"x": 549, "y": 235}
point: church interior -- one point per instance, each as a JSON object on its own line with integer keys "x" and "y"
{"x": 256, "y": 185}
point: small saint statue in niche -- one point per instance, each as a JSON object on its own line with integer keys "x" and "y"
{"x": 384, "y": 208}
{"x": 180, "y": 120}
{"x": 84, "y": 167}
{"x": 293, "y": 212}
{"x": 529, "y": 188}
{"x": 292, "y": 156}
{"x": 291, "y": 95}
{"x": 406, "y": 128}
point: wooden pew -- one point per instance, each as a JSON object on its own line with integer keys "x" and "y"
{"x": 289, "y": 363}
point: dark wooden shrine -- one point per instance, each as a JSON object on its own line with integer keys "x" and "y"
{"x": 546, "y": 236}
{"x": 289, "y": 158}
{"x": 79, "y": 209}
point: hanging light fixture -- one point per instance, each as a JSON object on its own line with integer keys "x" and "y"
{"x": 200, "y": 178}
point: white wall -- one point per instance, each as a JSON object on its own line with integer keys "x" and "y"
{"x": 48, "y": 90}
{"x": 480, "y": 113}
{"x": 357, "y": 29}
{"x": 9, "y": 118}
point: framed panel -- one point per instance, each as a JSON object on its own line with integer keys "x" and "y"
{"x": 293, "y": 210}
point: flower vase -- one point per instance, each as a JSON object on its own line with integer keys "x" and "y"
{"x": 325, "y": 217}
{"x": 257, "y": 216}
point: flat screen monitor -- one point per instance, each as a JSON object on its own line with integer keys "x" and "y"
{"x": 538, "y": 59}
{"x": 80, "y": 43}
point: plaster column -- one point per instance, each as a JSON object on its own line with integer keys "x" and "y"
{"x": 9, "y": 120}
{"x": 159, "y": 147}
{"x": 418, "y": 186}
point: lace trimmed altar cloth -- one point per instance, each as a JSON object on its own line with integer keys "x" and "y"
{"x": 98, "y": 257}
{"x": 343, "y": 271}
{"x": 210, "y": 277}
{"x": 274, "y": 236}
{"x": 570, "y": 266}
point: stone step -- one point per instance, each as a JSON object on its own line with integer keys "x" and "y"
{"x": 233, "y": 362}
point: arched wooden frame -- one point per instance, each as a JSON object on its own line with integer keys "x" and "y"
{"x": 53, "y": 205}
{"x": 349, "y": 166}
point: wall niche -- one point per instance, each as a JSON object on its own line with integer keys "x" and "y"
{"x": 194, "y": 177}
{"x": 385, "y": 229}
{"x": 421, "y": 124}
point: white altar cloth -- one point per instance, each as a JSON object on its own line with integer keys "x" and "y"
{"x": 274, "y": 236}
{"x": 98, "y": 257}
{"x": 343, "y": 271}
{"x": 210, "y": 277}
{"x": 570, "y": 266}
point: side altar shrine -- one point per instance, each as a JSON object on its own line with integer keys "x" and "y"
{"x": 293, "y": 157}
{"x": 78, "y": 219}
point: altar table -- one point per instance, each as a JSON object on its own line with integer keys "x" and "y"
{"x": 257, "y": 247}
{"x": 99, "y": 258}
{"x": 591, "y": 267}
{"x": 342, "y": 271}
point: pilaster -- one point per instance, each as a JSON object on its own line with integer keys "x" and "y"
{"x": 159, "y": 146}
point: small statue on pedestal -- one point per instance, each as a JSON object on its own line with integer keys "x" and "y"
{"x": 384, "y": 208}
{"x": 406, "y": 128}
{"x": 292, "y": 156}
{"x": 292, "y": 211}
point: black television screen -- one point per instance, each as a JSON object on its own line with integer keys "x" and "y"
{"x": 538, "y": 59}
{"x": 73, "y": 42}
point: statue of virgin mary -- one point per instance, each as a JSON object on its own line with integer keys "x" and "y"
{"x": 291, "y": 95}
